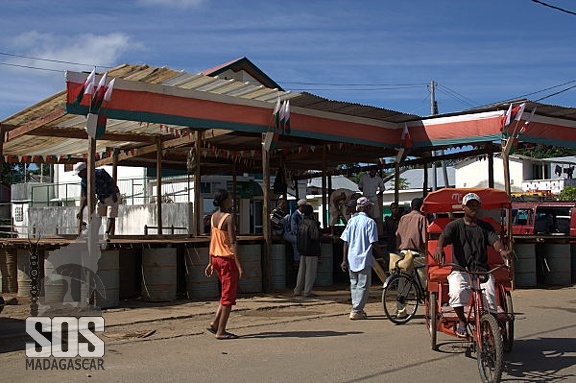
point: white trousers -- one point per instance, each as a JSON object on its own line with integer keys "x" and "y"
{"x": 459, "y": 290}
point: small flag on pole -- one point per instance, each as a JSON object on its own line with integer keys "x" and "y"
{"x": 406, "y": 138}
{"x": 528, "y": 120}
{"x": 108, "y": 94}
{"x": 506, "y": 118}
{"x": 87, "y": 87}
{"x": 518, "y": 111}
{"x": 286, "y": 126}
{"x": 98, "y": 96}
{"x": 276, "y": 113}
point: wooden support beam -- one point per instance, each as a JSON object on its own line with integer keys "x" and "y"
{"x": 378, "y": 269}
{"x": 197, "y": 177}
{"x": 35, "y": 124}
{"x": 266, "y": 210}
{"x": 159, "y": 183}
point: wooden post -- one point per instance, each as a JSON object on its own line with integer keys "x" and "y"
{"x": 198, "y": 221}
{"x": 266, "y": 229}
{"x": 159, "y": 183}
{"x": 491, "y": 170}
{"x": 324, "y": 211}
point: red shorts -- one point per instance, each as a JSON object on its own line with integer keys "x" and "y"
{"x": 228, "y": 275}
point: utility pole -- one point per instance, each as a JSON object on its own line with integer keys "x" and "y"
{"x": 434, "y": 111}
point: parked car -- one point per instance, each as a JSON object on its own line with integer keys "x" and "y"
{"x": 545, "y": 218}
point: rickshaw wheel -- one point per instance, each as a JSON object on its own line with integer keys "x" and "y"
{"x": 489, "y": 353}
{"x": 508, "y": 326}
{"x": 433, "y": 320}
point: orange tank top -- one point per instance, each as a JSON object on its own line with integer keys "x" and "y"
{"x": 220, "y": 244}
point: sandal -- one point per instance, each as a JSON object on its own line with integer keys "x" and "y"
{"x": 212, "y": 330}
{"x": 461, "y": 332}
{"x": 227, "y": 336}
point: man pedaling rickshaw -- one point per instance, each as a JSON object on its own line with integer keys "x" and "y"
{"x": 470, "y": 238}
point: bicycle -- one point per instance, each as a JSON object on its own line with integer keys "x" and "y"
{"x": 487, "y": 332}
{"x": 402, "y": 292}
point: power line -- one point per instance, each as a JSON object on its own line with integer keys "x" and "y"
{"x": 50, "y": 60}
{"x": 30, "y": 67}
{"x": 546, "y": 89}
{"x": 556, "y": 93}
{"x": 554, "y": 7}
{"x": 456, "y": 96}
{"x": 353, "y": 84}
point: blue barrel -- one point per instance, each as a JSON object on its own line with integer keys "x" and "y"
{"x": 278, "y": 266}
{"x": 325, "y": 272}
{"x": 198, "y": 285}
{"x": 9, "y": 271}
{"x": 127, "y": 273}
{"x": 109, "y": 274}
{"x": 525, "y": 265}
{"x": 557, "y": 264}
{"x": 250, "y": 256}
{"x": 23, "y": 278}
{"x": 159, "y": 274}
{"x": 573, "y": 262}
{"x": 54, "y": 285}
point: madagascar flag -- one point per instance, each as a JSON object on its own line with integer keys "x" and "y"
{"x": 406, "y": 139}
{"x": 87, "y": 87}
{"x": 98, "y": 96}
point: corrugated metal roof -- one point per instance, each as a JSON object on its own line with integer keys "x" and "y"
{"x": 311, "y": 101}
{"x": 45, "y": 129}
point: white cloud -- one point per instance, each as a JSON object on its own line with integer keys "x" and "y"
{"x": 180, "y": 4}
{"x": 88, "y": 49}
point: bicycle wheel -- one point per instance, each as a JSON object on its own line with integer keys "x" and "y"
{"x": 432, "y": 321}
{"x": 489, "y": 352}
{"x": 400, "y": 298}
{"x": 508, "y": 326}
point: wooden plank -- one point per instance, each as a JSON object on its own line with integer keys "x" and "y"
{"x": 35, "y": 124}
{"x": 379, "y": 270}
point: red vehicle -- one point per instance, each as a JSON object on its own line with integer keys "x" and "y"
{"x": 544, "y": 218}
{"x": 490, "y": 334}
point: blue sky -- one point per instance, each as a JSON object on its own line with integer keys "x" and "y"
{"x": 380, "y": 53}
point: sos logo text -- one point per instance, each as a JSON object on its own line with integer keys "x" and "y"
{"x": 65, "y": 337}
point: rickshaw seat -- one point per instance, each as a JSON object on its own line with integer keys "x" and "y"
{"x": 435, "y": 272}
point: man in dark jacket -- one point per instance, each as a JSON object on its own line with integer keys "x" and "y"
{"x": 106, "y": 191}
{"x": 308, "y": 242}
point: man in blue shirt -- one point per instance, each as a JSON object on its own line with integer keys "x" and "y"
{"x": 359, "y": 236}
{"x": 107, "y": 193}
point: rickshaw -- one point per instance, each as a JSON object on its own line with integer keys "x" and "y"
{"x": 491, "y": 334}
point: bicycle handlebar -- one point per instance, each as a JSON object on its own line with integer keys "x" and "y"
{"x": 460, "y": 268}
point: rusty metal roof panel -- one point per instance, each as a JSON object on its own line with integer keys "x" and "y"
{"x": 311, "y": 101}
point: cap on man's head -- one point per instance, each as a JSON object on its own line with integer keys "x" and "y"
{"x": 469, "y": 197}
{"x": 363, "y": 201}
{"x": 301, "y": 202}
{"x": 79, "y": 166}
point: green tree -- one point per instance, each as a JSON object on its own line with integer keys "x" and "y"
{"x": 545, "y": 151}
{"x": 11, "y": 173}
{"x": 568, "y": 194}
{"x": 403, "y": 184}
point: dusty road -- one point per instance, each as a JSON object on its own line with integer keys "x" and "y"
{"x": 317, "y": 343}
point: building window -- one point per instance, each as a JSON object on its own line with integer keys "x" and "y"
{"x": 19, "y": 214}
